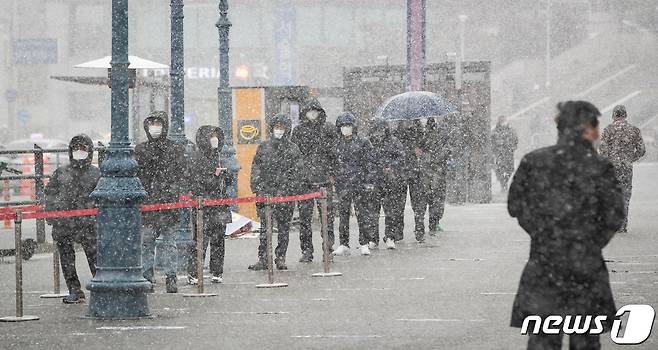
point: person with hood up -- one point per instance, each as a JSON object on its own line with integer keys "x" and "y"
{"x": 436, "y": 157}
{"x": 316, "y": 140}
{"x": 354, "y": 185}
{"x": 389, "y": 165}
{"x": 162, "y": 171}
{"x": 622, "y": 144}
{"x": 208, "y": 179}
{"x": 567, "y": 198}
{"x": 69, "y": 189}
{"x": 503, "y": 144}
{"x": 275, "y": 171}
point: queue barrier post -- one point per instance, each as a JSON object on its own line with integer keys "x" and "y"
{"x": 19, "y": 276}
{"x": 326, "y": 249}
{"x": 200, "y": 250}
{"x": 56, "y": 283}
{"x": 270, "y": 267}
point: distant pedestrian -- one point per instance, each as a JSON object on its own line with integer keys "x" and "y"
{"x": 503, "y": 144}
{"x": 209, "y": 179}
{"x": 622, "y": 144}
{"x": 566, "y": 197}
{"x": 316, "y": 139}
{"x": 437, "y": 154}
{"x": 391, "y": 171}
{"x": 163, "y": 172}
{"x": 69, "y": 189}
{"x": 354, "y": 185}
{"x": 275, "y": 171}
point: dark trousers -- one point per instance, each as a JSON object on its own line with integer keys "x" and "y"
{"x": 213, "y": 235}
{"x": 392, "y": 198}
{"x": 427, "y": 194}
{"x": 625, "y": 178}
{"x": 282, "y": 216}
{"x": 360, "y": 201}
{"x": 554, "y": 342}
{"x": 65, "y": 239}
{"x": 306, "y": 216}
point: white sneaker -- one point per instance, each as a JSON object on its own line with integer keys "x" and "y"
{"x": 390, "y": 244}
{"x": 342, "y": 250}
{"x": 216, "y": 279}
{"x": 373, "y": 245}
{"x": 365, "y": 250}
{"x": 192, "y": 281}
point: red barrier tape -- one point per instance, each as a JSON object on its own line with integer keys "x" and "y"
{"x": 36, "y": 211}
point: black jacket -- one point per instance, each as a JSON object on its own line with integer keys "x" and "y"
{"x": 70, "y": 186}
{"x": 412, "y": 136}
{"x": 389, "y": 160}
{"x": 275, "y": 169}
{"x": 317, "y": 142}
{"x": 355, "y": 167}
{"x": 162, "y": 171}
{"x": 567, "y": 199}
{"x": 203, "y": 179}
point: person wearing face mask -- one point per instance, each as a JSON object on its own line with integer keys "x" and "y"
{"x": 354, "y": 185}
{"x": 69, "y": 189}
{"x": 316, "y": 140}
{"x": 568, "y": 200}
{"x": 163, "y": 173}
{"x": 275, "y": 171}
{"x": 209, "y": 179}
{"x": 503, "y": 144}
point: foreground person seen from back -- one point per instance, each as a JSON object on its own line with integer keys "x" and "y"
{"x": 566, "y": 197}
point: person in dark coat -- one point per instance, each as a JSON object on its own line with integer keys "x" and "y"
{"x": 567, "y": 198}
{"x": 162, "y": 171}
{"x": 435, "y": 164}
{"x": 208, "y": 179}
{"x": 354, "y": 184}
{"x": 69, "y": 189}
{"x": 412, "y": 135}
{"x": 622, "y": 144}
{"x": 389, "y": 164}
{"x": 316, "y": 140}
{"x": 503, "y": 144}
{"x": 275, "y": 171}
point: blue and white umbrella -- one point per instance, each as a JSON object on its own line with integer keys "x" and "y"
{"x": 414, "y": 105}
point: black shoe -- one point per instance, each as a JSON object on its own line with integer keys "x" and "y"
{"x": 306, "y": 258}
{"x": 259, "y": 266}
{"x": 74, "y": 298}
{"x": 171, "y": 284}
{"x": 280, "y": 263}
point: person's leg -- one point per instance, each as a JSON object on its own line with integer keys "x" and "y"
{"x": 262, "y": 246}
{"x": 397, "y": 201}
{"x": 148, "y": 252}
{"x": 363, "y": 204}
{"x": 283, "y": 213}
{"x": 217, "y": 244}
{"x": 418, "y": 195}
{"x": 305, "y": 209}
{"x": 625, "y": 177}
{"x": 545, "y": 342}
{"x": 437, "y": 202}
{"x": 344, "y": 210}
{"x": 192, "y": 261}
{"x": 169, "y": 257}
{"x": 88, "y": 242}
{"x": 584, "y": 342}
{"x": 67, "y": 261}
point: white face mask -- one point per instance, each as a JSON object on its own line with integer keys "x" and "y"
{"x": 346, "y": 130}
{"x": 312, "y": 115}
{"x": 80, "y": 154}
{"x": 214, "y": 142}
{"x": 278, "y": 133}
{"x": 423, "y": 122}
{"x": 155, "y": 130}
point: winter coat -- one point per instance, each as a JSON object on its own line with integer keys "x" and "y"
{"x": 503, "y": 144}
{"x": 622, "y": 144}
{"x": 317, "y": 142}
{"x": 203, "y": 179}
{"x": 566, "y": 197}
{"x": 355, "y": 167}
{"x": 162, "y": 171}
{"x": 70, "y": 186}
{"x": 437, "y": 146}
{"x": 275, "y": 169}
{"x": 412, "y": 136}
{"x": 389, "y": 160}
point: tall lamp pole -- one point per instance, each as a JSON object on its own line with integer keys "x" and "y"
{"x": 177, "y": 77}
{"x": 548, "y": 43}
{"x": 118, "y": 290}
{"x": 224, "y": 97}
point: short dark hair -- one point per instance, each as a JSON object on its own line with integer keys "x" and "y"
{"x": 576, "y": 116}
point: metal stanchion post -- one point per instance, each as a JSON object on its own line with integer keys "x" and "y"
{"x": 325, "y": 238}
{"x": 199, "y": 252}
{"x": 56, "y": 291}
{"x": 270, "y": 267}
{"x": 19, "y": 276}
